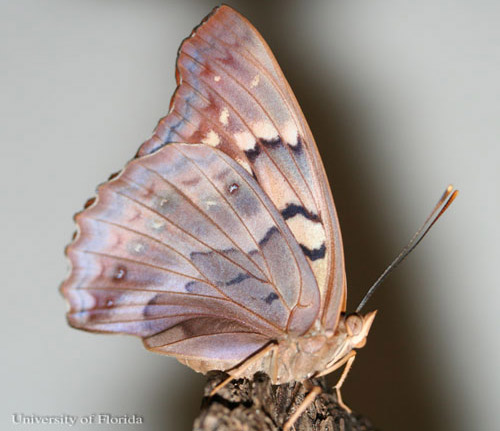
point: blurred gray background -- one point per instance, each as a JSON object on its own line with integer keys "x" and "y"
{"x": 403, "y": 98}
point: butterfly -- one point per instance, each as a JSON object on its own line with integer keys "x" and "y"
{"x": 219, "y": 243}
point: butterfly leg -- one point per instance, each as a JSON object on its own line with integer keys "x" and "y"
{"x": 241, "y": 368}
{"x": 308, "y": 400}
{"x": 347, "y": 360}
{"x": 342, "y": 379}
{"x": 275, "y": 365}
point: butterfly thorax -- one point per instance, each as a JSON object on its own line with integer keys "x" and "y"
{"x": 300, "y": 358}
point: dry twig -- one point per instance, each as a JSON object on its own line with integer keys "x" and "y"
{"x": 257, "y": 405}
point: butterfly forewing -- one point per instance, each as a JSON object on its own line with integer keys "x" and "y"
{"x": 183, "y": 234}
{"x": 222, "y": 234}
{"x": 232, "y": 95}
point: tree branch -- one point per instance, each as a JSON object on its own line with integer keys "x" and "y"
{"x": 257, "y": 405}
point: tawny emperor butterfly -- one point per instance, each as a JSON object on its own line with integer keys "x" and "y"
{"x": 219, "y": 243}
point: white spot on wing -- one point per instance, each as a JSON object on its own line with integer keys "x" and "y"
{"x": 209, "y": 203}
{"x": 211, "y": 139}
{"x": 158, "y": 225}
{"x": 245, "y": 140}
{"x": 224, "y": 116}
{"x": 255, "y": 81}
{"x": 137, "y": 247}
{"x": 265, "y": 130}
{"x": 216, "y": 78}
{"x": 290, "y": 133}
{"x": 308, "y": 233}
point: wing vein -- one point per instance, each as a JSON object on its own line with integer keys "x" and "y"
{"x": 149, "y": 265}
{"x": 205, "y": 215}
{"x": 188, "y": 294}
{"x": 216, "y": 126}
{"x": 263, "y": 280}
{"x": 256, "y": 63}
{"x": 257, "y": 245}
{"x": 205, "y": 335}
{"x": 275, "y": 163}
{"x": 152, "y": 239}
{"x": 275, "y": 223}
{"x": 142, "y": 289}
{"x": 151, "y": 318}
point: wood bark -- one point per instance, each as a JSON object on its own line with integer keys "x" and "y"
{"x": 257, "y": 405}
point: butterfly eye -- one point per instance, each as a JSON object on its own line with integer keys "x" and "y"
{"x": 354, "y": 324}
{"x": 233, "y": 188}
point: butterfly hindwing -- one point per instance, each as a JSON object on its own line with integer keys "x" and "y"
{"x": 207, "y": 343}
{"x": 182, "y": 235}
{"x": 232, "y": 95}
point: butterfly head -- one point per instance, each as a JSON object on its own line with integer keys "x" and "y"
{"x": 323, "y": 352}
{"x": 357, "y": 327}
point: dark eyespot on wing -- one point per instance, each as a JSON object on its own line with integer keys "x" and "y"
{"x": 233, "y": 188}
{"x": 193, "y": 255}
{"x": 271, "y": 143}
{"x": 198, "y": 288}
{"x": 120, "y": 273}
{"x": 189, "y": 287}
{"x": 192, "y": 181}
{"x": 268, "y": 235}
{"x": 298, "y": 147}
{"x": 314, "y": 254}
{"x": 253, "y": 153}
{"x": 270, "y": 298}
{"x": 292, "y": 210}
{"x": 241, "y": 277}
{"x": 148, "y": 309}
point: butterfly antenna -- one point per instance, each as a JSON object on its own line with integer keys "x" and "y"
{"x": 444, "y": 202}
